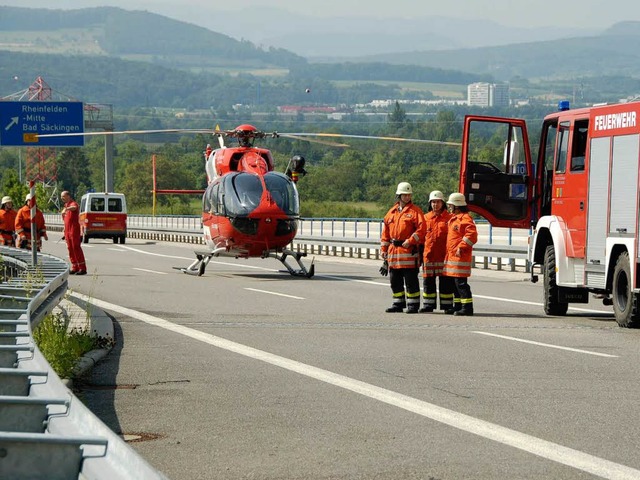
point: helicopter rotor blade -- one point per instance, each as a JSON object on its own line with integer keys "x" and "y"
{"x": 369, "y": 137}
{"x": 125, "y": 132}
{"x": 321, "y": 142}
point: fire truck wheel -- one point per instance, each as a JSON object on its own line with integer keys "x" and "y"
{"x": 551, "y": 304}
{"x": 625, "y": 301}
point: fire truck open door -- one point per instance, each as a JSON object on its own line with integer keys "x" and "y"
{"x": 496, "y": 173}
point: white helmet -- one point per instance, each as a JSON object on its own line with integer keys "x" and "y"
{"x": 28, "y": 197}
{"x": 404, "y": 188}
{"x": 6, "y": 199}
{"x": 436, "y": 195}
{"x": 457, "y": 200}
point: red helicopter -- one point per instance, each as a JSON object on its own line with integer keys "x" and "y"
{"x": 249, "y": 210}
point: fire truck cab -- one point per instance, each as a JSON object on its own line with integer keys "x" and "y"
{"x": 580, "y": 196}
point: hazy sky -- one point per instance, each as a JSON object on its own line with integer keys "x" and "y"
{"x": 574, "y": 13}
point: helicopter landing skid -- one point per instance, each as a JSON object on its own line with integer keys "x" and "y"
{"x": 302, "y": 272}
{"x": 198, "y": 266}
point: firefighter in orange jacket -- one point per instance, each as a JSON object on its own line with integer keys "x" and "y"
{"x": 71, "y": 217}
{"x": 461, "y": 237}
{"x": 23, "y": 226}
{"x": 7, "y": 222}
{"x": 435, "y": 250}
{"x": 402, "y": 234}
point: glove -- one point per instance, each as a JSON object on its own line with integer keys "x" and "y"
{"x": 384, "y": 269}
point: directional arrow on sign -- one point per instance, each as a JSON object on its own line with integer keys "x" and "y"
{"x": 14, "y": 121}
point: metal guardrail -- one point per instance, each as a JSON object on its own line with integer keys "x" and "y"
{"x": 354, "y": 238}
{"x": 46, "y": 433}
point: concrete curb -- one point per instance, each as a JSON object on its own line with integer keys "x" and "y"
{"x": 84, "y": 316}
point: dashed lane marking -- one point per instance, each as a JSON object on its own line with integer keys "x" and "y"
{"x": 506, "y": 436}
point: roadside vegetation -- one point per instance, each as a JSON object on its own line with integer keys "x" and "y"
{"x": 62, "y": 347}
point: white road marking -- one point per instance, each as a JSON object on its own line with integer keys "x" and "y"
{"x": 191, "y": 259}
{"x": 117, "y": 249}
{"x": 150, "y": 271}
{"x": 537, "y": 304}
{"x": 347, "y": 279}
{"x": 548, "y": 345}
{"x": 506, "y": 436}
{"x": 274, "y": 293}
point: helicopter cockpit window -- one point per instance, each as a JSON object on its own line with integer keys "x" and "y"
{"x": 209, "y": 198}
{"x": 242, "y": 193}
{"x": 283, "y": 192}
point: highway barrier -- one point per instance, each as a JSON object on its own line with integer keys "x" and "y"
{"x": 499, "y": 249}
{"x": 46, "y": 433}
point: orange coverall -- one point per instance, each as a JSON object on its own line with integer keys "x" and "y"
{"x": 23, "y": 227}
{"x": 435, "y": 251}
{"x": 461, "y": 237}
{"x": 7, "y": 226}
{"x": 404, "y": 263}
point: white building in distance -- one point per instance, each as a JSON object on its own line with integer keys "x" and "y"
{"x": 488, "y": 94}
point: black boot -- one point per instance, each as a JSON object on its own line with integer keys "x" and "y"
{"x": 426, "y": 310}
{"x": 394, "y": 309}
{"x": 412, "y": 309}
{"x": 465, "y": 311}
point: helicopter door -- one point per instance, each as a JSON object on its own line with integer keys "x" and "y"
{"x": 496, "y": 173}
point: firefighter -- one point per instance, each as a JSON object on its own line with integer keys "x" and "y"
{"x": 402, "y": 234}
{"x": 71, "y": 216}
{"x": 7, "y": 222}
{"x": 23, "y": 226}
{"x": 462, "y": 235}
{"x": 435, "y": 249}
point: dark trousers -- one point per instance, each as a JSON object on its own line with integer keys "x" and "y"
{"x": 447, "y": 290}
{"x": 463, "y": 298}
{"x": 401, "y": 277}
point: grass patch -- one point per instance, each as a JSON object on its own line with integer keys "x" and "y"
{"x": 63, "y": 347}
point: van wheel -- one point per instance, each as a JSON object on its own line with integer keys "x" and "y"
{"x": 551, "y": 304}
{"x": 85, "y": 239}
{"x": 625, "y": 301}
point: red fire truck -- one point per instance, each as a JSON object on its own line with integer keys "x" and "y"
{"x": 581, "y": 196}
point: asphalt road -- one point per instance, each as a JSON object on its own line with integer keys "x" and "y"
{"x": 247, "y": 373}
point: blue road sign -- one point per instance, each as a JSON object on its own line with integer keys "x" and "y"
{"x": 23, "y": 123}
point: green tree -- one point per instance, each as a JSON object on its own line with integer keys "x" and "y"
{"x": 398, "y": 117}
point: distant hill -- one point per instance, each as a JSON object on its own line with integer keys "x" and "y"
{"x": 130, "y": 34}
{"x": 614, "y": 52}
{"x": 335, "y": 36}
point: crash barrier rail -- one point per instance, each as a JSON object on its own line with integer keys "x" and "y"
{"x": 46, "y": 433}
{"x": 500, "y": 248}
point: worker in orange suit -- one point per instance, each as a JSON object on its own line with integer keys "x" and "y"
{"x": 7, "y": 222}
{"x": 71, "y": 217}
{"x": 461, "y": 237}
{"x": 402, "y": 235}
{"x": 435, "y": 249}
{"x": 23, "y": 226}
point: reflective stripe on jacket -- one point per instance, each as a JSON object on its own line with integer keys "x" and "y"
{"x": 463, "y": 235}
{"x": 402, "y": 224}
{"x": 23, "y": 222}
{"x": 435, "y": 243}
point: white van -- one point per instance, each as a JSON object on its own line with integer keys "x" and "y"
{"x": 103, "y": 215}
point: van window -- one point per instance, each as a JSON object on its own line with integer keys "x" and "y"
{"x": 114, "y": 205}
{"x": 97, "y": 204}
